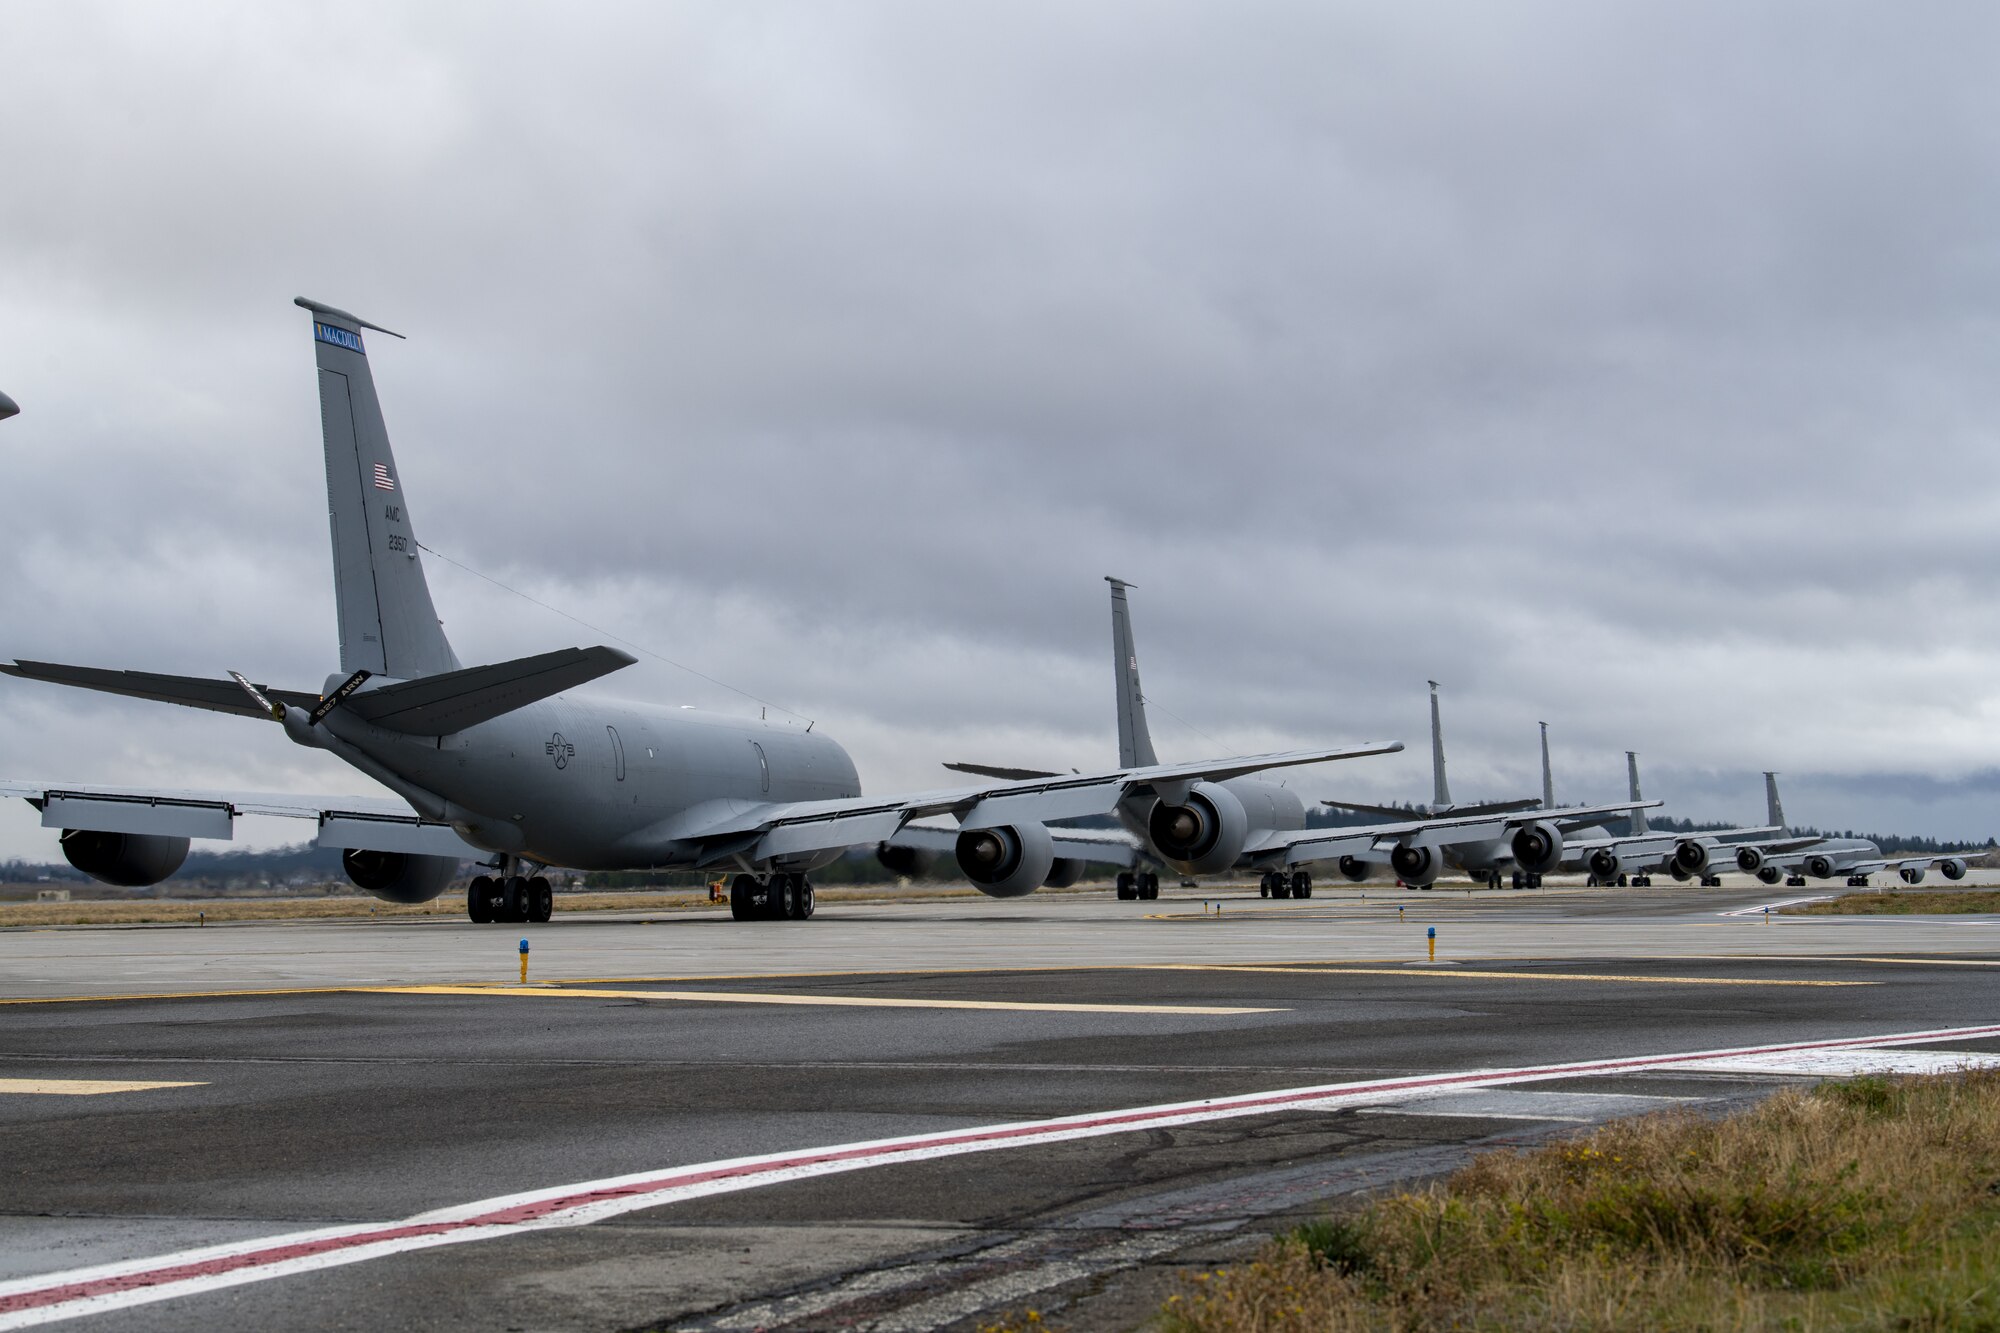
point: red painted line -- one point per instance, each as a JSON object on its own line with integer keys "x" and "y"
{"x": 536, "y": 1210}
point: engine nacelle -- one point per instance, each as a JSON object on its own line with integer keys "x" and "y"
{"x": 129, "y": 860}
{"x": 1354, "y": 869}
{"x": 1007, "y": 862}
{"x": 1205, "y": 835}
{"x": 909, "y": 862}
{"x": 1770, "y": 874}
{"x": 398, "y": 877}
{"x": 1910, "y": 874}
{"x": 1953, "y": 867}
{"x": 1818, "y": 866}
{"x": 1750, "y": 860}
{"x": 1603, "y": 863}
{"x": 1416, "y": 865}
{"x": 1538, "y": 847}
{"x": 1065, "y": 872}
{"x": 1690, "y": 859}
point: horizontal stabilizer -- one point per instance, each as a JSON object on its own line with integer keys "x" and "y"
{"x": 443, "y": 704}
{"x": 221, "y": 696}
{"x": 1004, "y": 774}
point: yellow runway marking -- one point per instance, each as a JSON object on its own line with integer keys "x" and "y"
{"x": 1472, "y": 974}
{"x": 857, "y": 1001}
{"x": 81, "y": 1087}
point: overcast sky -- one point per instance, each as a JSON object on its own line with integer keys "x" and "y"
{"x": 1630, "y": 367}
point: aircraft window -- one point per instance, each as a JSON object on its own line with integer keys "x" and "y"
{"x": 763, "y": 766}
{"x": 617, "y": 754}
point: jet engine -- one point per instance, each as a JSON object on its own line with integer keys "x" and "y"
{"x": 909, "y": 862}
{"x": 1818, "y": 866}
{"x": 1416, "y": 865}
{"x": 1911, "y": 874}
{"x": 1065, "y": 872}
{"x": 1952, "y": 867}
{"x": 1750, "y": 860}
{"x": 1770, "y": 874}
{"x": 1604, "y": 864}
{"x": 129, "y": 860}
{"x": 1538, "y": 847}
{"x": 398, "y": 877}
{"x": 1690, "y": 859}
{"x": 1011, "y": 861}
{"x": 1203, "y": 836}
{"x": 1353, "y": 869}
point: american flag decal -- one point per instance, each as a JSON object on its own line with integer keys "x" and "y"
{"x": 383, "y": 481}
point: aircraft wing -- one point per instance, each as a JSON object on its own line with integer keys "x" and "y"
{"x": 1109, "y": 848}
{"x": 760, "y": 831}
{"x": 376, "y": 823}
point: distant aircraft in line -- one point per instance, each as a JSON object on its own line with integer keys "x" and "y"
{"x": 1260, "y": 824}
{"x": 502, "y": 759}
{"x": 8, "y": 407}
{"x": 1825, "y": 858}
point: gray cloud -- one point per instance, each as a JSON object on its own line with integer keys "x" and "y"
{"x": 1625, "y": 368}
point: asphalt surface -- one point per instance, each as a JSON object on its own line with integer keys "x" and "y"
{"x": 369, "y": 1092}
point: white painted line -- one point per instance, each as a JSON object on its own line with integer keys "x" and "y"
{"x": 94, "y": 1290}
{"x": 1846, "y": 1064}
{"x": 1772, "y": 907}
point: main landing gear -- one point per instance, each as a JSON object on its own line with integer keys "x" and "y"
{"x": 1278, "y": 884}
{"x": 1141, "y": 887}
{"x": 510, "y": 898}
{"x": 779, "y": 896}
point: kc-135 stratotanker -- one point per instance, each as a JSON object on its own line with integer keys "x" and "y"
{"x": 505, "y": 760}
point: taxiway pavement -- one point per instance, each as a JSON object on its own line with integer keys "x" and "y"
{"x": 401, "y": 1076}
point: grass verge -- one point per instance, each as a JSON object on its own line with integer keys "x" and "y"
{"x": 1872, "y": 1203}
{"x": 1944, "y": 902}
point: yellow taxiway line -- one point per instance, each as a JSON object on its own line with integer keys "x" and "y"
{"x": 856, "y": 1001}
{"x": 1476, "y": 974}
{"x": 81, "y": 1087}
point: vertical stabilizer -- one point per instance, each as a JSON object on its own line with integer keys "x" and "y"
{"x": 1135, "y": 742}
{"x": 1440, "y": 789}
{"x": 387, "y": 623}
{"x": 1639, "y": 828}
{"x": 1548, "y": 774}
{"x": 1774, "y": 809}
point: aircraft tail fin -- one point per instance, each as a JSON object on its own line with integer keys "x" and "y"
{"x": 442, "y": 704}
{"x": 1774, "y": 809}
{"x": 1440, "y": 789}
{"x": 1639, "y": 828}
{"x": 388, "y": 626}
{"x": 1548, "y": 774}
{"x": 1135, "y": 740}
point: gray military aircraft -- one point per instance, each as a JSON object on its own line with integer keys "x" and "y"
{"x": 1638, "y": 855}
{"x": 503, "y": 759}
{"x": 1825, "y": 858}
{"x": 1531, "y": 844}
{"x": 1276, "y": 841}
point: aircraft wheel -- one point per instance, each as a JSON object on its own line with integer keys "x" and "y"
{"x": 1302, "y": 884}
{"x": 513, "y": 899}
{"x": 1149, "y": 886}
{"x": 742, "y": 894}
{"x": 801, "y": 904}
{"x": 1517, "y": 879}
{"x": 1534, "y": 881}
{"x": 479, "y": 899}
{"x": 1621, "y": 881}
{"x": 1128, "y": 886}
{"x": 1264, "y": 885}
{"x": 777, "y": 896}
{"x": 541, "y": 899}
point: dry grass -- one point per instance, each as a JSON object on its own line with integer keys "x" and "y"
{"x": 171, "y": 911}
{"x": 1942, "y": 902}
{"x": 1866, "y": 1204}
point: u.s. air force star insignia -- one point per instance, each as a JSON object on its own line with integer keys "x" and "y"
{"x": 562, "y": 750}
